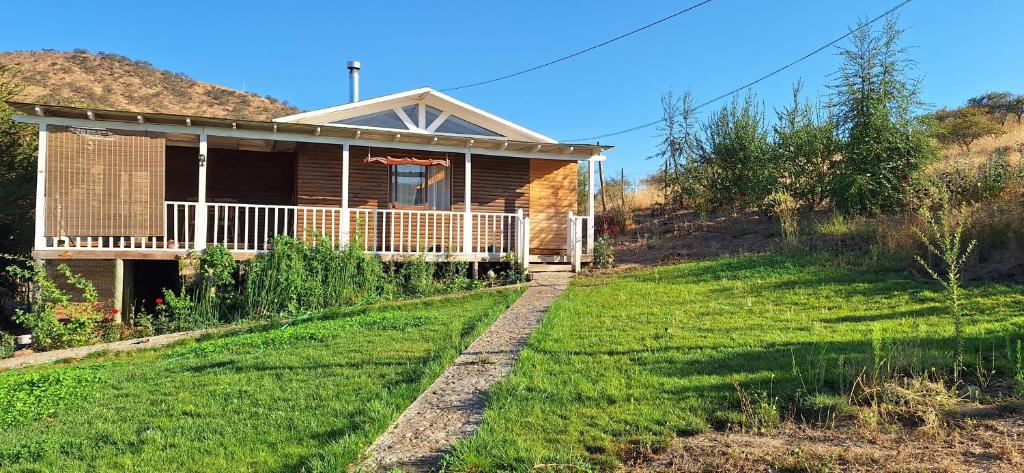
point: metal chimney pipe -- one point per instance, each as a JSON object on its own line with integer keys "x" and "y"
{"x": 353, "y": 81}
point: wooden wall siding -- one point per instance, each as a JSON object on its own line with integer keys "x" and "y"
{"x": 104, "y": 184}
{"x": 182, "y": 176}
{"x": 232, "y": 176}
{"x": 99, "y": 272}
{"x": 552, "y": 197}
{"x": 500, "y": 184}
{"x": 367, "y": 182}
{"x": 318, "y": 174}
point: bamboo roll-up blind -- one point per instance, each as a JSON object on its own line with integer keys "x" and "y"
{"x": 102, "y": 183}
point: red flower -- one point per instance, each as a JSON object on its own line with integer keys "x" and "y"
{"x": 906, "y": 178}
{"x": 114, "y": 311}
{"x": 159, "y": 301}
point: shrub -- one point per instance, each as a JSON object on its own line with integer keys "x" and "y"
{"x": 736, "y": 150}
{"x": 416, "y": 277}
{"x": 193, "y": 307}
{"x": 787, "y": 209}
{"x": 48, "y": 331}
{"x": 217, "y": 267}
{"x": 604, "y": 252}
{"x": 296, "y": 276}
{"x": 514, "y": 272}
{"x": 6, "y": 345}
{"x": 454, "y": 276}
{"x": 805, "y": 148}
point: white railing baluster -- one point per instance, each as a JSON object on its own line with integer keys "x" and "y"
{"x": 186, "y": 232}
{"x": 165, "y": 226}
{"x": 224, "y": 228}
{"x": 251, "y": 228}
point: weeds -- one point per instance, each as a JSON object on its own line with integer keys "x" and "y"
{"x": 943, "y": 237}
{"x": 760, "y": 411}
{"x": 604, "y": 252}
{"x": 787, "y": 209}
{"x": 1018, "y": 373}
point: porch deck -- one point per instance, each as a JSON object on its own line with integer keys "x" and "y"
{"x": 247, "y": 229}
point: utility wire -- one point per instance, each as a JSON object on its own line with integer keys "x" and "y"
{"x": 582, "y": 51}
{"x": 755, "y": 81}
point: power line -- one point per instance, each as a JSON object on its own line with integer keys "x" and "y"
{"x": 582, "y": 51}
{"x": 755, "y": 81}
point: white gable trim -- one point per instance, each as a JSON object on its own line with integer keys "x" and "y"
{"x": 420, "y": 97}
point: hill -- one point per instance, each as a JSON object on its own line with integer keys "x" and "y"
{"x": 112, "y": 81}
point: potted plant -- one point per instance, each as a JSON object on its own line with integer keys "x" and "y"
{"x": 23, "y": 340}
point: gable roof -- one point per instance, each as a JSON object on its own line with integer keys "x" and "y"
{"x": 432, "y": 112}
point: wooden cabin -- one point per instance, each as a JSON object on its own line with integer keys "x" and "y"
{"x": 412, "y": 173}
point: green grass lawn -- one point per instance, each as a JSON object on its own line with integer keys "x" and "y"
{"x": 310, "y": 394}
{"x": 638, "y": 357}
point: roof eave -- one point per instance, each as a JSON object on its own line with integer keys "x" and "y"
{"x": 39, "y": 112}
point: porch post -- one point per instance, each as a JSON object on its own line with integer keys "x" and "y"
{"x": 345, "y": 217}
{"x": 118, "y": 290}
{"x": 40, "y": 236}
{"x": 467, "y": 224}
{"x": 590, "y": 206}
{"x": 199, "y": 242}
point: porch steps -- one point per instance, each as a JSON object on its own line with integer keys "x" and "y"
{"x": 549, "y": 259}
{"x": 551, "y": 268}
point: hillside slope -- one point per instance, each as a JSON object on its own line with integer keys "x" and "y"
{"x": 111, "y": 81}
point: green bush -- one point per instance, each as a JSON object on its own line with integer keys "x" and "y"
{"x": 454, "y": 276}
{"x": 416, "y": 277}
{"x": 514, "y": 272}
{"x": 604, "y": 253}
{"x": 6, "y": 345}
{"x": 296, "y": 277}
{"x": 48, "y": 331}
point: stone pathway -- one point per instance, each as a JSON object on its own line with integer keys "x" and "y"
{"x": 452, "y": 407}
{"x": 124, "y": 345}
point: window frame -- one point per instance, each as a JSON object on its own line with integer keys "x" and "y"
{"x": 391, "y": 204}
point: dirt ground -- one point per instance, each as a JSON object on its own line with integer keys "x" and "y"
{"x": 660, "y": 238}
{"x": 987, "y": 439}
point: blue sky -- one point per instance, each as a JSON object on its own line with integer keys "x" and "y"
{"x": 297, "y": 51}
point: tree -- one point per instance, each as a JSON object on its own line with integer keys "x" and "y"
{"x": 964, "y": 126}
{"x": 17, "y": 170}
{"x": 736, "y": 151}
{"x": 678, "y": 144}
{"x": 1016, "y": 107}
{"x": 994, "y": 103}
{"x": 805, "y": 147}
{"x": 875, "y": 104}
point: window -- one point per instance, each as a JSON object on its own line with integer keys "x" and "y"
{"x": 415, "y": 186}
{"x": 383, "y": 119}
{"x": 408, "y": 185}
{"x": 458, "y": 126}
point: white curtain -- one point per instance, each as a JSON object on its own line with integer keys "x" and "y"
{"x": 439, "y": 188}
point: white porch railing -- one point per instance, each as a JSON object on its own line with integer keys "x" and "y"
{"x": 394, "y": 231}
{"x": 251, "y": 228}
{"x": 577, "y": 243}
